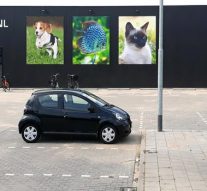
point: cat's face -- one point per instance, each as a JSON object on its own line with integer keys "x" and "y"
{"x": 136, "y": 37}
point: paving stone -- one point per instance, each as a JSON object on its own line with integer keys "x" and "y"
{"x": 61, "y": 160}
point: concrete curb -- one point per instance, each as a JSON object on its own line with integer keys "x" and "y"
{"x": 136, "y": 164}
{"x": 141, "y": 179}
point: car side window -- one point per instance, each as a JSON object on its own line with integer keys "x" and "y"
{"x": 49, "y": 101}
{"x": 75, "y": 103}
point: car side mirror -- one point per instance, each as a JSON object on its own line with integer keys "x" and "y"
{"x": 91, "y": 109}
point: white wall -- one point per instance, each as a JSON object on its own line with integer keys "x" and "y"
{"x": 98, "y": 2}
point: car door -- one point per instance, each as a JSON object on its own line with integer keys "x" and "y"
{"x": 77, "y": 114}
{"x": 50, "y": 112}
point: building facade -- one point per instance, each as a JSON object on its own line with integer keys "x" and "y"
{"x": 108, "y": 46}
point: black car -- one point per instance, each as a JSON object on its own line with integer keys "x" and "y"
{"x": 72, "y": 111}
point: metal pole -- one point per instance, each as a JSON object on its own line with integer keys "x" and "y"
{"x": 160, "y": 68}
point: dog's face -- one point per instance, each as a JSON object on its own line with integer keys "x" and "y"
{"x": 136, "y": 37}
{"x": 41, "y": 27}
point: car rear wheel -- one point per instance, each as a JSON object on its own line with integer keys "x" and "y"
{"x": 108, "y": 134}
{"x": 30, "y": 133}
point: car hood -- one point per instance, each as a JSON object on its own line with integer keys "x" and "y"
{"x": 115, "y": 109}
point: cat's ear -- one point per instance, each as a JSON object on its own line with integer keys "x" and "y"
{"x": 129, "y": 27}
{"x": 144, "y": 27}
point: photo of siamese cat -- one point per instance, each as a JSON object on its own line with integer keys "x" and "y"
{"x": 136, "y": 49}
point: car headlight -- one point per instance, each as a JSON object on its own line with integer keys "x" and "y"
{"x": 119, "y": 116}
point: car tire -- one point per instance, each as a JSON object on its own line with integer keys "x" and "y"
{"x": 30, "y": 133}
{"x": 108, "y": 134}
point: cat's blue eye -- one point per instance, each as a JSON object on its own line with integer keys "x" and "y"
{"x": 135, "y": 38}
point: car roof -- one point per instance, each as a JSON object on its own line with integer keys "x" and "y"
{"x": 59, "y": 90}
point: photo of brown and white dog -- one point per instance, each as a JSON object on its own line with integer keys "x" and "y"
{"x": 45, "y": 38}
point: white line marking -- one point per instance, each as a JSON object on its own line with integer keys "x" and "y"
{"x": 130, "y": 149}
{"x": 140, "y": 107}
{"x": 47, "y": 174}
{"x": 85, "y": 176}
{"x": 123, "y": 176}
{"x": 113, "y": 148}
{"x": 66, "y": 175}
{"x": 26, "y": 147}
{"x": 202, "y": 118}
{"x": 84, "y": 148}
{"x": 141, "y": 119}
{"x": 11, "y": 147}
{"x": 40, "y": 147}
{"x": 8, "y": 174}
{"x": 28, "y": 174}
{"x": 69, "y": 147}
{"x": 104, "y": 176}
{"x": 12, "y": 130}
{"x": 99, "y": 148}
{"x": 198, "y": 113}
{"x": 55, "y": 147}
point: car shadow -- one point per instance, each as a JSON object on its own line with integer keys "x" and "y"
{"x": 86, "y": 139}
{"x": 131, "y": 139}
{"x": 57, "y": 138}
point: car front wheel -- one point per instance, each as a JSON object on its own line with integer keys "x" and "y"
{"x": 30, "y": 134}
{"x": 108, "y": 134}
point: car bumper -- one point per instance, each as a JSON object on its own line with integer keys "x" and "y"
{"x": 124, "y": 128}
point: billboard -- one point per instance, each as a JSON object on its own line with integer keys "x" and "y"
{"x": 137, "y": 40}
{"x": 91, "y": 40}
{"x": 44, "y": 40}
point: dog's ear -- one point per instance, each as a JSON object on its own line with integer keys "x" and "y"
{"x": 129, "y": 27}
{"x": 144, "y": 27}
{"x": 48, "y": 27}
{"x": 34, "y": 25}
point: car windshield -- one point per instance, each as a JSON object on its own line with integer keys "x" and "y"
{"x": 95, "y": 99}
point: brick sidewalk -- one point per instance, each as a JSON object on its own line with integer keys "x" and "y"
{"x": 173, "y": 161}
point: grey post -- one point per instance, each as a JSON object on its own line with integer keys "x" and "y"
{"x": 160, "y": 68}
